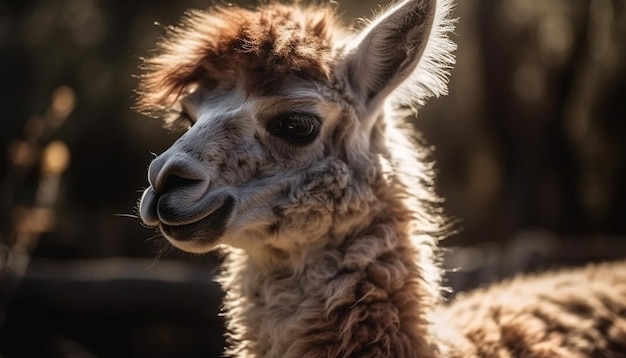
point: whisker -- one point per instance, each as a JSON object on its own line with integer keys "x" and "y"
{"x": 158, "y": 256}
{"x": 132, "y": 216}
{"x": 216, "y": 270}
{"x": 157, "y": 236}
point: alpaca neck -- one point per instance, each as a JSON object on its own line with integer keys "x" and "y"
{"x": 369, "y": 296}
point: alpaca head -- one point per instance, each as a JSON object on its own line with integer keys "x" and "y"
{"x": 285, "y": 145}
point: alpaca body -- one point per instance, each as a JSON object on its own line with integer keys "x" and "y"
{"x": 366, "y": 297}
{"x": 297, "y": 163}
{"x": 568, "y": 313}
{"x": 575, "y": 313}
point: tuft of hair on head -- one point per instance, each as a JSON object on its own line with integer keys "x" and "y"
{"x": 231, "y": 43}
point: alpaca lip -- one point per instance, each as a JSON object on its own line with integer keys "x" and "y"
{"x": 206, "y": 230}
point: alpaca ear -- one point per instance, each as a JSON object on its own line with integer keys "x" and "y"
{"x": 386, "y": 54}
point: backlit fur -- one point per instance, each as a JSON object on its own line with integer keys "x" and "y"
{"x": 261, "y": 45}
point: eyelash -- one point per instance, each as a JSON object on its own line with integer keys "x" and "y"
{"x": 186, "y": 117}
{"x": 183, "y": 118}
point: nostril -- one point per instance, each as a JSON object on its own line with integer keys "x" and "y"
{"x": 173, "y": 171}
{"x": 173, "y": 182}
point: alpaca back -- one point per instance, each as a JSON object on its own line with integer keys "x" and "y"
{"x": 567, "y": 313}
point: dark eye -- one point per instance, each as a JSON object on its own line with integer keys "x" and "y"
{"x": 297, "y": 128}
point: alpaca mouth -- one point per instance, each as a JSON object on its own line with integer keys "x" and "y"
{"x": 204, "y": 231}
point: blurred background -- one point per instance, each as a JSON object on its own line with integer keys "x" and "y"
{"x": 530, "y": 147}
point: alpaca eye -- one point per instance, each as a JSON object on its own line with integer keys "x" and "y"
{"x": 297, "y": 128}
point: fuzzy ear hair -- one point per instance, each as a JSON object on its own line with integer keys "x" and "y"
{"x": 405, "y": 52}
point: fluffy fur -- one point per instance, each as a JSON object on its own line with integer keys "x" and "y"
{"x": 264, "y": 44}
{"x": 567, "y": 313}
{"x": 331, "y": 244}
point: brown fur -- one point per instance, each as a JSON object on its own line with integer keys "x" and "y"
{"x": 262, "y": 46}
{"x": 368, "y": 297}
{"x": 570, "y": 313}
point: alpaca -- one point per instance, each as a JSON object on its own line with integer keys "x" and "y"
{"x": 297, "y": 164}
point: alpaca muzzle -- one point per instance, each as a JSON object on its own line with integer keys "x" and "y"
{"x": 180, "y": 203}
